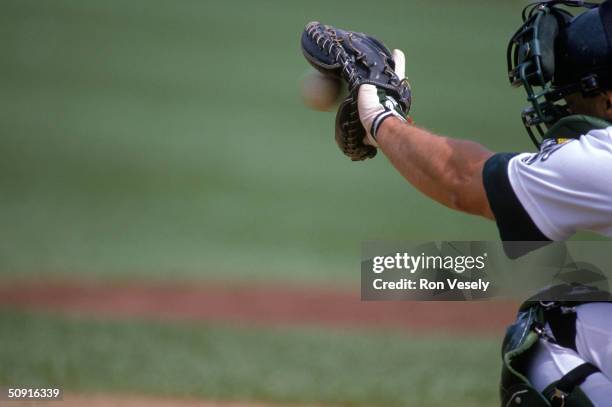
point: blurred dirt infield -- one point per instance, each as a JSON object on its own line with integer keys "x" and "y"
{"x": 102, "y": 400}
{"x": 269, "y": 304}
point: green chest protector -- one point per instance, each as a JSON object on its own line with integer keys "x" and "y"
{"x": 518, "y": 347}
{"x": 529, "y": 328}
{"x": 522, "y": 336}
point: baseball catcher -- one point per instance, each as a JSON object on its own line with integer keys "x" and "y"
{"x": 557, "y": 353}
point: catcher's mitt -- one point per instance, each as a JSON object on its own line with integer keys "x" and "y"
{"x": 358, "y": 59}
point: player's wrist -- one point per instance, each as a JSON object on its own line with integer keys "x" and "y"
{"x": 387, "y": 127}
{"x": 383, "y": 117}
{"x": 376, "y": 108}
{"x": 384, "y": 122}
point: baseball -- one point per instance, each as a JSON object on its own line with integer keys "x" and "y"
{"x": 320, "y": 92}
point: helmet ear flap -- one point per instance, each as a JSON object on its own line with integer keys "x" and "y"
{"x": 535, "y": 45}
{"x": 549, "y": 28}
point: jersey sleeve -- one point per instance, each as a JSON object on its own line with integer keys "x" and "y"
{"x": 552, "y": 194}
{"x": 513, "y": 221}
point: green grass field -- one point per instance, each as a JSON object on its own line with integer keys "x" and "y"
{"x": 149, "y": 137}
{"x": 288, "y": 366}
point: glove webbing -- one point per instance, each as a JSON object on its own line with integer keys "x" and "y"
{"x": 332, "y": 46}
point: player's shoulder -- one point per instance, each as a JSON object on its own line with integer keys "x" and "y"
{"x": 603, "y": 137}
{"x": 605, "y": 133}
{"x": 588, "y": 154}
{"x": 552, "y": 193}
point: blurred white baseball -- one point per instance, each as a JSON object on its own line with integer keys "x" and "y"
{"x": 320, "y": 92}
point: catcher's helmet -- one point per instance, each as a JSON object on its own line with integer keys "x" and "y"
{"x": 555, "y": 53}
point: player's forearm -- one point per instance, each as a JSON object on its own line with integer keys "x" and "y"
{"x": 447, "y": 170}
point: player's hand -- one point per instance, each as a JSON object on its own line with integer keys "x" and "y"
{"x": 375, "y": 105}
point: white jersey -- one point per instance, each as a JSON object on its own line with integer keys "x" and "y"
{"x": 567, "y": 187}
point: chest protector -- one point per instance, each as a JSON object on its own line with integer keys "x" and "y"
{"x": 527, "y": 330}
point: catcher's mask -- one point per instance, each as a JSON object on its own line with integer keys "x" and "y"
{"x": 554, "y": 54}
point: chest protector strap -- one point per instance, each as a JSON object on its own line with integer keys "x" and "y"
{"x": 560, "y": 391}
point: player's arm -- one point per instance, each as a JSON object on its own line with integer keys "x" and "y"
{"x": 460, "y": 174}
{"x": 445, "y": 169}
{"x": 524, "y": 199}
